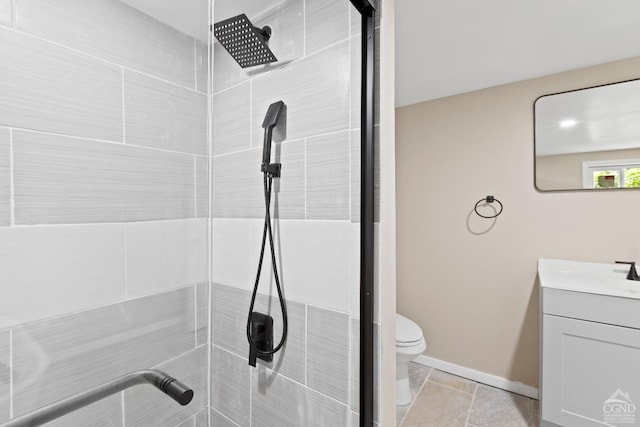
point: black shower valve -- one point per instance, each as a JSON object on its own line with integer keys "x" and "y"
{"x": 262, "y": 337}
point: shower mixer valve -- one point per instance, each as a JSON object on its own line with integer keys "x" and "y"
{"x": 262, "y": 336}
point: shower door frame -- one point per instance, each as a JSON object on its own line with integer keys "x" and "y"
{"x": 367, "y": 10}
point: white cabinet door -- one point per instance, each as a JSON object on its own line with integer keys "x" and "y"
{"x": 590, "y": 373}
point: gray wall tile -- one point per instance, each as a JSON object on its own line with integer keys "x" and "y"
{"x": 202, "y": 187}
{"x": 232, "y": 120}
{"x": 355, "y": 175}
{"x": 67, "y": 180}
{"x": 219, "y": 420}
{"x": 230, "y": 385}
{"x": 286, "y": 20}
{"x": 315, "y": 90}
{"x": 226, "y": 71}
{"x": 376, "y": 79}
{"x": 147, "y": 407}
{"x": 202, "y": 314}
{"x": 5, "y": 375}
{"x": 234, "y": 251}
{"x": 315, "y": 261}
{"x": 62, "y": 356}
{"x": 50, "y": 271}
{"x": 328, "y": 352}
{"x": 290, "y": 360}
{"x": 328, "y": 183}
{"x": 288, "y": 197}
{"x": 237, "y": 185}
{"x": 164, "y": 255}
{"x": 202, "y": 66}
{"x": 5, "y": 177}
{"x": 115, "y": 32}
{"x": 105, "y": 413}
{"x": 191, "y": 422}
{"x": 202, "y": 417}
{"x": 238, "y": 189}
{"x": 356, "y": 22}
{"x": 327, "y": 22}
{"x": 162, "y": 115}
{"x": 50, "y": 88}
{"x": 6, "y": 13}
{"x": 356, "y": 78}
{"x": 229, "y": 309}
{"x": 278, "y": 401}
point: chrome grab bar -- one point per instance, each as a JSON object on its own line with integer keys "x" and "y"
{"x": 163, "y": 382}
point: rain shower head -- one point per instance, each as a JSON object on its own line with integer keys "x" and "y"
{"x": 244, "y": 42}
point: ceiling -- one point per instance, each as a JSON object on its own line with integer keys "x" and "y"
{"x": 455, "y": 46}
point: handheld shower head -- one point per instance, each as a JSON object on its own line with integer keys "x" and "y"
{"x": 273, "y": 114}
{"x": 270, "y": 121}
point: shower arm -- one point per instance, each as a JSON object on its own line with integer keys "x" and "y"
{"x": 168, "y": 385}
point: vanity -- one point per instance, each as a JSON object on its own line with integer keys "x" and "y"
{"x": 590, "y": 344}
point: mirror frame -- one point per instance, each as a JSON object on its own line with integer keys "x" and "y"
{"x": 535, "y": 165}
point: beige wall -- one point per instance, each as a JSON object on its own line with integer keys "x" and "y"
{"x": 475, "y": 294}
{"x": 564, "y": 171}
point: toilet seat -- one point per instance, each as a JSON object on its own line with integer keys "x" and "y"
{"x": 408, "y": 334}
{"x": 416, "y": 343}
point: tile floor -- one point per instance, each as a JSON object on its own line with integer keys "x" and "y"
{"x": 442, "y": 399}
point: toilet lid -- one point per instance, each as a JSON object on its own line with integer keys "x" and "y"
{"x": 407, "y": 330}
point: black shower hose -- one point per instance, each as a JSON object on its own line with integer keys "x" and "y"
{"x": 268, "y": 183}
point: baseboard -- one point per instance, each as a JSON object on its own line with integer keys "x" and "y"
{"x": 477, "y": 376}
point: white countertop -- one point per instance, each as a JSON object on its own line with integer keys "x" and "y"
{"x": 588, "y": 277}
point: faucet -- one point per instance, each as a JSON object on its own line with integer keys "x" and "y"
{"x": 633, "y": 274}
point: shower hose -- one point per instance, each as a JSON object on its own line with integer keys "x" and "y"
{"x": 266, "y": 231}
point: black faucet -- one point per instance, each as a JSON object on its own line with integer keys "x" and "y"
{"x": 633, "y": 274}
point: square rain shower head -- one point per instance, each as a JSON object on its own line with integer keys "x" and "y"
{"x": 244, "y": 42}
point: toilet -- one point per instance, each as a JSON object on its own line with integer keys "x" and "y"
{"x": 410, "y": 344}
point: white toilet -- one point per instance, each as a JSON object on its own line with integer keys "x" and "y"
{"x": 410, "y": 344}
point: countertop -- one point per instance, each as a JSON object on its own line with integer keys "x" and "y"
{"x": 588, "y": 277}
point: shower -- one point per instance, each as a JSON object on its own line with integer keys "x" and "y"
{"x": 133, "y": 215}
{"x": 259, "y": 325}
{"x": 316, "y": 49}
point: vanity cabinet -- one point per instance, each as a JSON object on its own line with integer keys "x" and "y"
{"x": 590, "y": 356}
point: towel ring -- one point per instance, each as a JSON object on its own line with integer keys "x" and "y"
{"x": 488, "y": 199}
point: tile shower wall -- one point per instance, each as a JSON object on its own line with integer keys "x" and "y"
{"x": 104, "y": 206}
{"x": 313, "y": 381}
